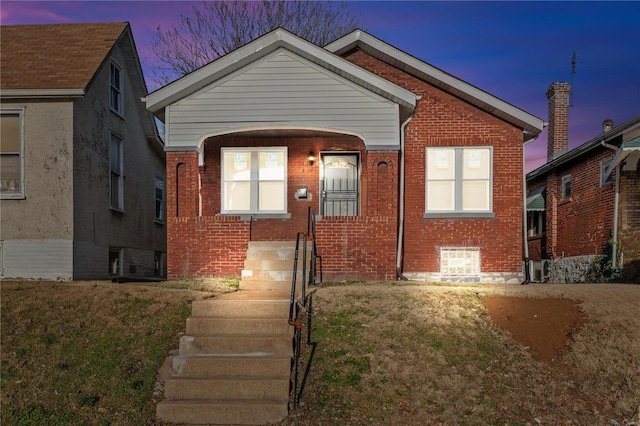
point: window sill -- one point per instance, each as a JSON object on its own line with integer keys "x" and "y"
{"x": 158, "y": 222}
{"x": 258, "y": 216}
{"x": 13, "y": 197}
{"x": 565, "y": 201}
{"x": 116, "y": 112}
{"x": 116, "y": 210}
{"x": 459, "y": 215}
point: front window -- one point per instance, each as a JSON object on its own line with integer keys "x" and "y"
{"x": 254, "y": 180}
{"x": 11, "y": 154}
{"x": 566, "y": 186}
{"x": 117, "y": 178}
{"x": 159, "y": 199}
{"x": 115, "y": 88}
{"x": 459, "y": 180}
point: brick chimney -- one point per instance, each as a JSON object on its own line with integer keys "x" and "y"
{"x": 558, "y": 131}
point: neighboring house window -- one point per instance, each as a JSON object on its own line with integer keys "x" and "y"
{"x": 536, "y": 223}
{"x": 566, "y": 186}
{"x": 254, "y": 180}
{"x": 605, "y": 180}
{"x": 11, "y": 154}
{"x": 159, "y": 199}
{"x": 459, "y": 180}
{"x": 158, "y": 262}
{"x": 117, "y": 178}
{"x": 115, "y": 88}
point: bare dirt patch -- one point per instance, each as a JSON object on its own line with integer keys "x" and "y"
{"x": 544, "y": 326}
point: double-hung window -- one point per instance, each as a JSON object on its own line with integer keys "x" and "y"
{"x": 11, "y": 154}
{"x": 115, "y": 88}
{"x": 254, "y": 180}
{"x": 116, "y": 173}
{"x": 459, "y": 182}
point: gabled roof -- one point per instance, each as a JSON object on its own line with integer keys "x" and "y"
{"x": 377, "y": 48}
{"x": 54, "y": 59}
{"x": 262, "y": 46}
{"x": 585, "y": 148}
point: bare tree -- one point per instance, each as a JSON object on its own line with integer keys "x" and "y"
{"x": 213, "y": 29}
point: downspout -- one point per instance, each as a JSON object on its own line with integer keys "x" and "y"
{"x": 614, "y": 245}
{"x": 527, "y": 269}
{"x": 401, "y": 198}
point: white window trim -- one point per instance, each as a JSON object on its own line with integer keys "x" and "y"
{"x": 604, "y": 165}
{"x": 254, "y": 182}
{"x": 162, "y": 200}
{"x": 563, "y": 181}
{"x": 22, "y": 194}
{"x": 120, "y": 206}
{"x": 458, "y": 212}
{"x": 120, "y": 107}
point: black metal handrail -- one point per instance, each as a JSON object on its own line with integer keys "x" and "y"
{"x": 306, "y": 300}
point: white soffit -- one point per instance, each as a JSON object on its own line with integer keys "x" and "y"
{"x": 233, "y": 61}
{"x": 375, "y": 47}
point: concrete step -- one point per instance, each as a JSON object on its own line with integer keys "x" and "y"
{"x": 225, "y": 325}
{"x": 280, "y": 286}
{"x": 222, "y": 412}
{"x": 274, "y": 264}
{"x": 226, "y": 388}
{"x": 278, "y": 307}
{"x": 262, "y": 275}
{"x": 257, "y": 367}
{"x": 236, "y": 344}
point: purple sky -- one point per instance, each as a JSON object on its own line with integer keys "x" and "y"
{"x": 513, "y": 50}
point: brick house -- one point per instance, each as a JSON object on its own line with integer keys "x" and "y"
{"x": 82, "y": 166}
{"x": 572, "y": 199}
{"x": 411, "y": 171}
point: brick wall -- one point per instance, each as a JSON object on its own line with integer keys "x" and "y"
{"x": 443, "y": 120}
{"x": 629, "y": 223}
{"x": 201, "y": 243}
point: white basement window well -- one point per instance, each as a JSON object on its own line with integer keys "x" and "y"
{"x": 254, "y": 181}
{"x": 459, "y": 182}
{"x": 460, "y": 264}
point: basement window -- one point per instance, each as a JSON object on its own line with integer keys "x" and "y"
{"x": 458, "y": 263}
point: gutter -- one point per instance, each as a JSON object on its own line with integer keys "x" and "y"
{"x": 614, "y": 245}
{"x": 401, "y": 199}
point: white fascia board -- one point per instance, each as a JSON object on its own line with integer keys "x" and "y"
{"x": 41, "y": 93}
{"x": 262, "y": 46}
{"x": 455, "y": 85}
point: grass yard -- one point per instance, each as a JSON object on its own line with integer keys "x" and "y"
{"x": 385, "y": 354}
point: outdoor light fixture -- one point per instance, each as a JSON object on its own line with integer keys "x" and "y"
{"x": 311, "y": 158}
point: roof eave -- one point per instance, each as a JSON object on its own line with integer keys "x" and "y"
{"x": 41, "y": 93}
{"x": 465, "y": 91}
{"x": 594, "y": 143}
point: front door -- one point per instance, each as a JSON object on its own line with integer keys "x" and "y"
{"x": 340, "y": 185}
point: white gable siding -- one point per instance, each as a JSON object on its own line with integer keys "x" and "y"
{"x": 286, "y": 91}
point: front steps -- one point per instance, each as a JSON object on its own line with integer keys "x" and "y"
{"x": 234, "y": 362}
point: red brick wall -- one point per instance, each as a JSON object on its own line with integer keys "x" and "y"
{"x": 585, "y": 220}
{"x": 629, "y": 223}
{"x": 443, "y": 120}
{"x": 352, "y": 247}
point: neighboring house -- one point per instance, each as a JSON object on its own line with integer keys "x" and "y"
{"x": 411, "y": 171}
{"x": 82, "y": 167}
{"x": 572, "y": 199}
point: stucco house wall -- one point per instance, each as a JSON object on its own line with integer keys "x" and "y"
{"x": 37, "y": 231}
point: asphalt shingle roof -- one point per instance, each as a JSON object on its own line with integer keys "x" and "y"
{"x": 60, "y": 56}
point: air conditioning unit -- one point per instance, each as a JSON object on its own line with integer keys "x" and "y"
{"x": 546, "y": 270}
